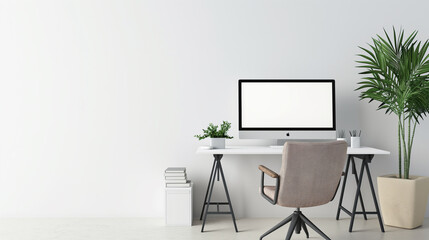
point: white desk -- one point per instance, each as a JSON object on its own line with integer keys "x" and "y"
{"x": 267, "y": 150}
{"x": 364, "y": 153}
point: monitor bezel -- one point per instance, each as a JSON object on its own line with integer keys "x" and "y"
{"x": 241, "y": 128}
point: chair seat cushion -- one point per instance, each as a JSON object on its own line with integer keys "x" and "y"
{"x": 269, "y": 191}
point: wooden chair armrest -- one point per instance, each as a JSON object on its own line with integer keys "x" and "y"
{"x": 268, "y": 171}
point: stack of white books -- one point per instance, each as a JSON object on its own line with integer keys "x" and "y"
{"x": 175, "y": 177}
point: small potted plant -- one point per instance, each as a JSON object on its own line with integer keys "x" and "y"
{"x": 217, "y": 136}
{"x": 354, "y": 139}
{"x": 396, "y": 70}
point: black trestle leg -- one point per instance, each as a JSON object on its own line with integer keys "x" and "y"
{"x": 360, "y": 194}
{"x": 217, "y": 172}
{"x": 343, "y": 187}
{"x": 380, "y": 221}
{"x": 227, "y": 196}
{"x": 357, "y": 196}
{"x": 209, "y": 197}
{"x": 208, "y": 188}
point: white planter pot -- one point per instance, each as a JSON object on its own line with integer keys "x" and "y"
{"x": 341, "y": 139}
{"x": 403, "y": 201}
{"x": 217, "y": 143}
{"x": 355, "y": 142}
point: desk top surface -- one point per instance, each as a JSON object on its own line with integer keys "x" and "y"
{"x": 267, "y": 150}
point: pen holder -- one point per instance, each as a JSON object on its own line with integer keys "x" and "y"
{"x": 355, "y": 142}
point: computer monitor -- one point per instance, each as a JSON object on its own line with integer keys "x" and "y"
{"x": 287, "y": 109}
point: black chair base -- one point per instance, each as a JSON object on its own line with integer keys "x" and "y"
{"x": 298, "y": 222}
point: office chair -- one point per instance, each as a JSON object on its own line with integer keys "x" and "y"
{"x": 309, "y": 176}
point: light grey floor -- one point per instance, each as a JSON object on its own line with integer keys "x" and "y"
{"x": 217, "y": 228}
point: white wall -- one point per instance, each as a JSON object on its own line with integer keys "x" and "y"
{"x": 97, "y": 98}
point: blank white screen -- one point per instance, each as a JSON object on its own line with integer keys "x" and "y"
{"x": 286, "y": 105}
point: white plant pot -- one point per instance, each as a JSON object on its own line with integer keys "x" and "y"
{"x": 217, "y": 143}
{"x": 355, "y": 142}
{"x": 341, "y": 139}
{"x": 403, "y": 201}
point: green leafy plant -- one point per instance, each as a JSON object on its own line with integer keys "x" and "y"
{"x": 396, "y": 74}
{"x": 213, "y": 132}
{"x": 341, "y": 133}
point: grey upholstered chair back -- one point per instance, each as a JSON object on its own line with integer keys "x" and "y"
{"x": 310, "y": 172}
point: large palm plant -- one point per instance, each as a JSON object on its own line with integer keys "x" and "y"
{"x": 396, "y": 74}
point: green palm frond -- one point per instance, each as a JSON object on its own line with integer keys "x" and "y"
{"x": 396, "y": 74}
